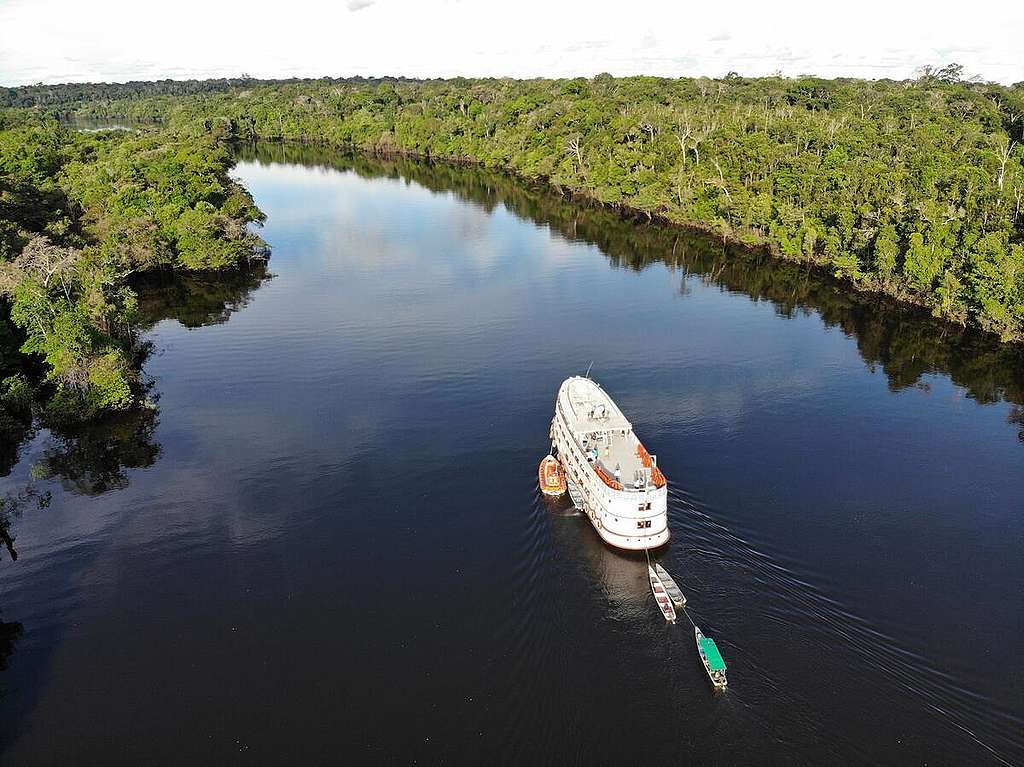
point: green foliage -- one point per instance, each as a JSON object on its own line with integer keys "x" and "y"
{"x": 15, "y": 417}
{"x": 201, "y": 239}
{"x": 79, "y": 214}
{"x": 16, "y": 395}
{"x": 914, "y": 189}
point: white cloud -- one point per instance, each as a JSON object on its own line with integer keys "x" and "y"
{"x": 105, "y": 40}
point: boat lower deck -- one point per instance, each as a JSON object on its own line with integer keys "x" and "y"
{"x": 617, "y": 454}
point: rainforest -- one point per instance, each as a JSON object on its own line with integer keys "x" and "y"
{"x": 81, "y": 215}
{"x": 279, "y": 362}
{"x": 912, "y": 189}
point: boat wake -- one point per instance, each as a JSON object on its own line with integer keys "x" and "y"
{"x": 718, "y": 564}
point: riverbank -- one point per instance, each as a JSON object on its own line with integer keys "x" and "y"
{"x": 752, "y": 244}
{"x": 81, "y": 214}
{"x": 831, "y": 480}
{"x": 912, "y": 189}
{"x": 902, "y": 341}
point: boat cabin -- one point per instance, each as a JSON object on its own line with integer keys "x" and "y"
{"x": 608, "y": 441}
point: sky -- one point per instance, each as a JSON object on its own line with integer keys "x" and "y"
{"x": 118, "y": 40}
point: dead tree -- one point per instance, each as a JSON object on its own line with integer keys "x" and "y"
{"x": 575, "y": 147}
{"x": 1004, "y": 152}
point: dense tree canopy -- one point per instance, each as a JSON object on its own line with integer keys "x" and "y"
{"x": 79, "y": 214}
{"x": 914, "y": 189}
{"x": 68, "y": 96}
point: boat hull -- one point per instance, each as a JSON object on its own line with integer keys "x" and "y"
{"x": 628, "y": 518}
{"x": 719, "y": 681}
{"x": 671, "y": 588}
{"x": 661, "y": 596}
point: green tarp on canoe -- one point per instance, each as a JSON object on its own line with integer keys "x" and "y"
{"x": 711, "y": 651}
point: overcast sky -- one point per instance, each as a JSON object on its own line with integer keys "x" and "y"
{"x": 117, "y": 40}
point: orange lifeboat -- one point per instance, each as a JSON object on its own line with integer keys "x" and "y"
{"x": 607, "y": 478}
{"x": 656, "y": 476}
{"x": 551, "y": 476}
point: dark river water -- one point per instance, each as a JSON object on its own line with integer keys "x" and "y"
{"x": 325, "y": 543}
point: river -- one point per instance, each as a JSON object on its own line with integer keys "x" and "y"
{"x": 324, "y": 543}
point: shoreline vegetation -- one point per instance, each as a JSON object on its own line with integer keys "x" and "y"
{"x": 82, "y": 214}
{"x": 105, "y": 232}
{"x": 911, "y": 189}
{"x": 903, "y": 341}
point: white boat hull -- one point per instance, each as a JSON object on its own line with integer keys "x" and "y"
{"x": 634, "y": 517}
{"x": 661, "y": 596}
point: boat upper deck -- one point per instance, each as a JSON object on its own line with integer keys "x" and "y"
{"x": 604, "y": 433}
{"x": 590, "y": 409}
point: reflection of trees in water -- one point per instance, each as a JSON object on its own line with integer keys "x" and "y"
{"x": 95, "y": 458}
{"x": 196, "y": 299}
{"x": 10, "y": 633}
{"x": 904, "y": 342}
{"x": 1017, "y": 417}
{"x": 14, "y": 432}
{"x": 12, "y": 507}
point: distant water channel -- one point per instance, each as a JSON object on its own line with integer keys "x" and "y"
{"x": 325, "y": 542}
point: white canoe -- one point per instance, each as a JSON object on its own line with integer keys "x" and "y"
{"x": 661, "y": 596}
{"x": 673, "y": 591}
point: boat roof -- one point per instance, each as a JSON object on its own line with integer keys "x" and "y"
{"x": 715, "y": 661}
{"x": 591, "y": 409}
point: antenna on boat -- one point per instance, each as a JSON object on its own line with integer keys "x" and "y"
{"x": 588, "y": 369}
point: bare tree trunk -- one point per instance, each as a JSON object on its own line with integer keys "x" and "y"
{"x": 575, "y": 147}
{"x": 721, "y": 178}
{"x": 683, "y": 137}
{"x": 1004, "y": 157}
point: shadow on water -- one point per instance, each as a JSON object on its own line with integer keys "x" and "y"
{"x": 904, "y": 342}
{"x": 94, "y": 459}
{"x": 197, "y": 299}
{"x": 556, "y": 552}
{"x": 10, "y": 633}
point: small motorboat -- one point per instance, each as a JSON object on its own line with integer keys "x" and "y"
{"x": 673, "y": 591}
{"x": 661, "y": 596}
{"x": 551, "y": 476}
{"x": 711, "y": 658}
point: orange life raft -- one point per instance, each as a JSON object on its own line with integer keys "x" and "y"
{"x": 551, "y": 476}
{"x": 607, "y": 478}
{"x": 656, "y": 476}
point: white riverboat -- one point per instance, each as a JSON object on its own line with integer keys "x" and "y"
{"x": 624, "y": 493}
